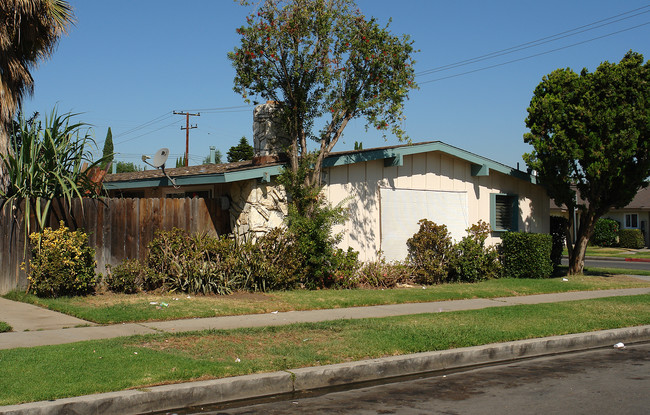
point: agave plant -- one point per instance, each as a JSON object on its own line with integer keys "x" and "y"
{"x": 46, "y": 162}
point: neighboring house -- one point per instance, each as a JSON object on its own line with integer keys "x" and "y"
{"x": 387, "y": 190}
{"x": 636, "y": 215}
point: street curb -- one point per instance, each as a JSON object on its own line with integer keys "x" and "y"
{"x": 637, "y": 260}
{"x": 169, "y": 397}
{"x": 612, "y": 258}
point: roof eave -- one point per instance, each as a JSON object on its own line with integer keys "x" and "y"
{"x": 263, "y": 173}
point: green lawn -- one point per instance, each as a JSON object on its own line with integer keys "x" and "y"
{"x": 114, "y": 308}
{"x": 52, "y": 372}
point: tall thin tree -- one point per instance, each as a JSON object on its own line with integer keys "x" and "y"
{"x": 107, "y": 152}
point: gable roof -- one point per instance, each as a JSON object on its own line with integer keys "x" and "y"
{"x": 641, "y": 201}
{"x": 246, "y": 170}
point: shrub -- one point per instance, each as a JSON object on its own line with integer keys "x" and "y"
{"x": 382, "y": 274}
{"x": 272, "y": 263}
{"x": 526, "y": 255}
{"x": 126, "y": 277}
{"x": 315, "y": 243}
{"x": 472, "y": 260}
{"x": 429, "y": 252}
{"x": 345, "y": 265}
{"x": 559, "y": 227}
{"x": 195, "y": 263}
{"x": 605, "y": 232}
{"x": 62, "y": 263}
{"x": 631, "y": 238}
{"x": 311, "y": 219}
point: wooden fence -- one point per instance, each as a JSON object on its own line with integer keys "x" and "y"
{"x": 117, "y": 228}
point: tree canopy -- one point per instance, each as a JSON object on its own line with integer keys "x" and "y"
{"x": 325, "y": 63}
{"x": 590, "y": 133}
{"x": 127, "y": 167}
{"x": 240, "y": 152}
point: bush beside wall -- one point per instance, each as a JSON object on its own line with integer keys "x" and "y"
{"x": 63, "y": 263}
{"x": 631, "y": 238}
{"x": 526, "y": 255}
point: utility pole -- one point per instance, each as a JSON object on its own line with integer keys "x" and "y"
{"x": 187, "y": 129}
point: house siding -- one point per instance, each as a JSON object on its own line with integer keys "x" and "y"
{"x": 357, "y": 185}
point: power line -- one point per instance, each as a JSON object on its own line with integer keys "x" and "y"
{"x": 219, "y": 109}
{"x": 142, "y": 135}
{"x": 535, "y": 55}
{"x": 156, "y": 120}
{"x": 168, "y": 115}
{"x": 535, "y": 43}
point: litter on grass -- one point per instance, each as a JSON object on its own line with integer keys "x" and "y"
{"x": 565, "y": 279}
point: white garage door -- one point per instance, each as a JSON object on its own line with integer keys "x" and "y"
{"x": 401, "y": 209}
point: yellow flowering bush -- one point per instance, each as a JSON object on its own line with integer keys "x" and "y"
{"x": 62, "y": 263}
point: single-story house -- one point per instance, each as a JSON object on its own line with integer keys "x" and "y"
{"x": 387, "y": 190}
{"x": 635, "y": 215}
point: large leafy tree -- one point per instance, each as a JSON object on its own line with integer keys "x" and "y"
{"x": 325, "y": 64}
{"x": 590, "y": 132}
{"x": 240, "y": 152}
{"x": 29, "y": 31}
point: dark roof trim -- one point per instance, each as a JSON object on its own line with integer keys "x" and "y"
{"x": 262, "y": 173}
{"x": 481, "y": 166}
{"x": 392, "y": 156}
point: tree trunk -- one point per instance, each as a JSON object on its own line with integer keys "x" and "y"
{"x": 577, "y": 256}
{"x": 4, "y": 150}
{"x": 583, "y": 233}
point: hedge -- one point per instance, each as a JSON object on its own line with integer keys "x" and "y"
{"x": 631, "y": 238}
{"x": 526, "y": 255}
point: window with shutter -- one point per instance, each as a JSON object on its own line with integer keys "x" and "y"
{"x": 504, "y": 212}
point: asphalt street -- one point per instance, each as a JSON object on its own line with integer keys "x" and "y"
{"x": 605, "y": 263}
{"x": 601, "y": 381}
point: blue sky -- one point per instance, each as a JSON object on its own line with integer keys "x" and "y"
{"x": 129, "y": 64}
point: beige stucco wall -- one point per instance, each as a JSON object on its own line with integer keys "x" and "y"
{"x": 357, "y": 185}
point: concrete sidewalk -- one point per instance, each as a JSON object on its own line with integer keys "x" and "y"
{"x": 43, "y": 327}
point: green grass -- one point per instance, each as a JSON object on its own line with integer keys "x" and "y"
{"x": 4, "y": 327}
{"x": 52, "y": 372}
{"x": 113, "y": 308}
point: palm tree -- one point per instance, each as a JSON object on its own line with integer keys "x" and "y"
{"x": 29, "y": 31}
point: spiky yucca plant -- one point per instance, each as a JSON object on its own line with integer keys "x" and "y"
{"x": 46, "y": 163}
